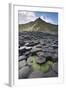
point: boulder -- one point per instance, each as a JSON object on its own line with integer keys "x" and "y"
{"x": 24, "y": 72}
{"x": 22, "y": 64}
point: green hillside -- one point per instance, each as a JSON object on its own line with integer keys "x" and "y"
{"x": 38, "y": 25}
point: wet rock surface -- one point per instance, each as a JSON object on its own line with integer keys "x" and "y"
{"x": 40, "y": 44}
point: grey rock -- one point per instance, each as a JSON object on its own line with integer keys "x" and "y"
{"x": 35, "y": 50}
{"x": 50, "y": 74}
{"x": 28, "y": 48}
{"x": 38, "y": 46}
{"x": 41, "y": 42}
{"x": 48, "y": 54}
{"x": 40, "y": 53}
{"x": 55, "y": 46}
{"x": 55, "y": 67}
{"x": 27, "y": 37}
{"x": 36, "y": 74}
{"x": 33, "y": 43}
{"x": 22, "y": 63}
{"x": 23, "y": 57}
{"x": 24, "y": 49}
{"x": 29, "y": 61}
{"x": 21, "y": 43}
{"x": 27, "y": 53}
{"x": 26, "y": 43}
{"x": 41, "y": 60}
{"x": 55, "y": 57}
{"x": 24, "y": 72}
{"x": 48, "y": 49}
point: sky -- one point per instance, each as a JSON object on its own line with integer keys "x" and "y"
{"x": 27, "y": 16}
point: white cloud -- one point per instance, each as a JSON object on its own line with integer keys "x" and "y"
{"x": 25, "y": 17}
{"x": 47, "y": 19}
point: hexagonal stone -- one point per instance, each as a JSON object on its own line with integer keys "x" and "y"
{"x": 22, "y": 63}
{"x": 24, "y": 72}
{"x": 36, "y": 74}
{"x": 41, "y": 60}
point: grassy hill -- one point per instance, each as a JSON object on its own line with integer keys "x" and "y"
{"x": 38, "y": 25}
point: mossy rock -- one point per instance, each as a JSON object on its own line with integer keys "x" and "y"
{"x": 49, "y": 62}
{"x": 45, "y": 67}
{"x": 37, "y": 67}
